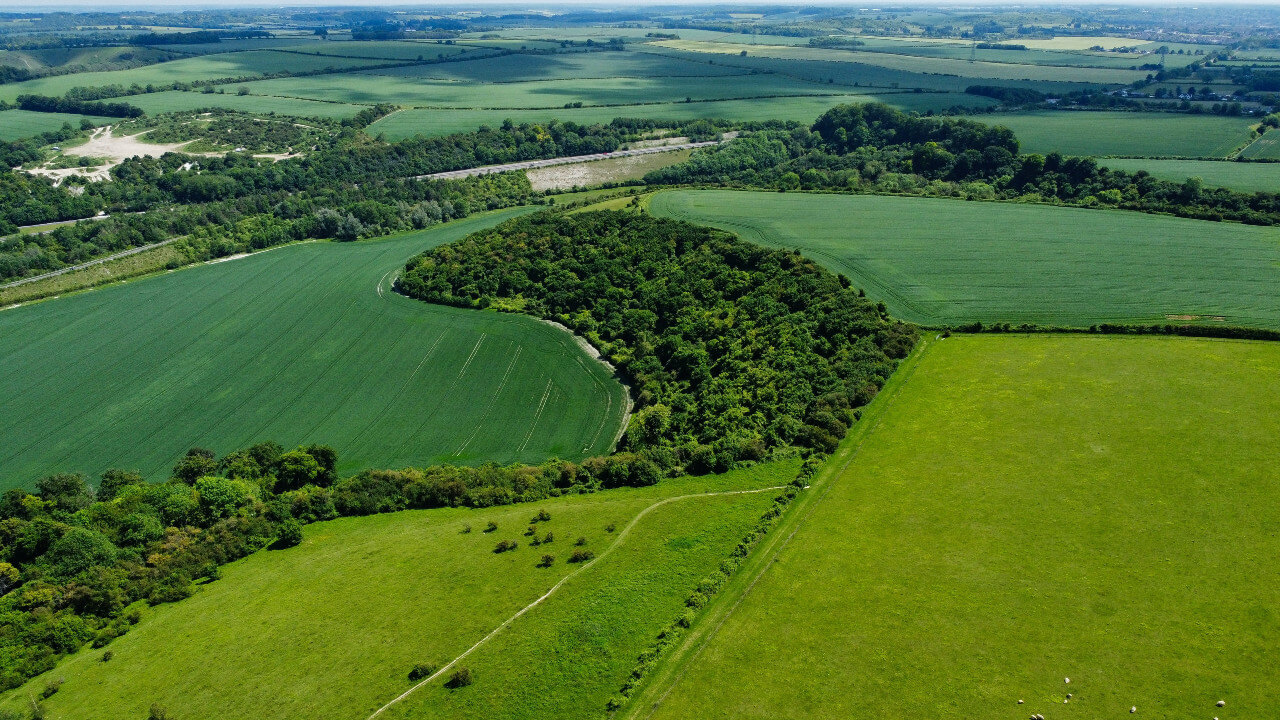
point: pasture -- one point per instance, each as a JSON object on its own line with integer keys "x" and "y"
{"x": 1126, "y": 134}
{"x": 332, "y": 627}
{"x": 16, "y": 124}
{"x": 1243, "y": 176}
{"x": 1023, "y": 510}
{"x": 304, "y": 343}
{"x": 942, "y": 261}
{"x": 181, "y": 101}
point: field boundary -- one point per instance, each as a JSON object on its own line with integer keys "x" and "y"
{"x": 617, "y": 542}
{"x": 679, "y": 662}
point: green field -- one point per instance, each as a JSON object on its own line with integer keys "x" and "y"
{"x": 179, "y": 101}
{"x": 1024, "y": 510}
{"x": 942, "y": 261}
{"x": 207, "y": 67}
{"x": 1126, "y": 133}
{"x": 305, "y": 343}
{"x": 331, "y": 628}
{"x": 523, "y": 68}
{"x": 1243, "y": 176}
{"x": 1266, "y": 147}
{"x": 15, "y": 124}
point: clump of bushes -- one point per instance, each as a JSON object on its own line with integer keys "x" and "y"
{"x": 505, "y": 546}
{"x": 547, "y": 561}
{"x": 459, "y": 679}
{"x": 491, "y": 526}
{"x": 420, "y": 671}
{"x": 580, "y": 556}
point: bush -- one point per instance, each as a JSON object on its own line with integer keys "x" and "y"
{"x": 466, "y": 529}
{"x": 52, "y": 687}
{"x": 491, "y": 526}
{"x": 548, "y": 538}
{"x": 420, "y": 671}
{"x": 158, "y": 713}
{"x": 610, "y": 528}
{"x": 106, "y": 656}
{"x": 580, "y": 541}
{"x": 290, "y": 534}
{"x": 531, "y": 531}
{"x": 505, "y": 546}
{"x": 579, "y": 556}
{"x": 547, "y": 561}
{"x": 459, "y": 679}
{"x": 542, "y": 516}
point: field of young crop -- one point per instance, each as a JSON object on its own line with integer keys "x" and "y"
{"x": 1126, "y": 134}
{"x": 332, "y": 627}
{"x": 911, "y": 63}
{"x": 179, "y": 100}
{"x": 207, "y": 67}
{"x": 1266, "y": 147}
{"x": 1244, "y": 176}
{"x": 942, "y": 261}
{"x": 1029, "y": 519}
{"x": 563, "y": 66}
{"x": 16, "y": 124}
{"x": 305, "y": 343}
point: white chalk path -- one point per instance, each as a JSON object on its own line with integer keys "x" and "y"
{"x": 618, "y": 541}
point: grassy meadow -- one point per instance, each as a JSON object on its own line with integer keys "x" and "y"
{"x": 15, "y": 124}
{"x": 1243, "y": 176}
{"x": 1024, "y": 510}
{"x": 332, "y": 627}
{"x": 1002, "y": 262}
{"x": 1128, "y": 134}
{"x": 304, "y": 343}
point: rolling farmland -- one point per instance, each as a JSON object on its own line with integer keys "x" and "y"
{"x": 1009, "y": 262}
{"x": 1126, "y": 134}
{"x": 1023, "y": 510}
{"x": 16, "y": 124}
{"x": 303, "y": 343}
{"x": 1244, "y": 176}
{"x": 305, "y": 619}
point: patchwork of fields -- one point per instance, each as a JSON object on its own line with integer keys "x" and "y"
{"x": 306, "y": 343}
{"x": 999, "y": 262}
{"x": 304, "y": 633}
{"x": 1023, "y": 510}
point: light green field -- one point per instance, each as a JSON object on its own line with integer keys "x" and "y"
{"x": 909, "y": 63}
{"x": 15, "y": 124}
{"x": 942, "y": 261}
{"x": 1243, "y": 176}
{"x": 207, "y": 67}
{"x": 1125, "y": 133}
{"x": 1024, "y": 510}
{"x": 1266, "y": 147}
{"x": 524, "y": 68}
{"x": 331, "y": 628}
{"x": 178, "y": 101}
{"x": 383, "y": 49}
{"x": 371, "y": 87}
{"x": 432, "y": 121}
{"x": 304, "y": 343}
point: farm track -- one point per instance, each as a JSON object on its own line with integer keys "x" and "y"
{"x": 507, "y": 623}
{"x": 531, "y": 164}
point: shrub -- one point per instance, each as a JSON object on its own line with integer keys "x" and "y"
{"x": 290, "y": 534}
{"x": 466, "y": 529}
{"x": 459, "y": 679}
{"x": 420, "y": 671}
{"x": 580, "y": 542}
{"x": 158, "y": 713}
{"x": 547, "y": 561}
{"x": 106, "y": 656}
{"x": 506, "y": 545}
{"x": 610, "y": 528}
{"x": 52, "y": 687}
{"x": 548, "y": 538}
{"x": 491, "y": 526}
{"x": 581, "y": 556}
{"x": 531, "y": 531}
{"x": 542, "y": 516}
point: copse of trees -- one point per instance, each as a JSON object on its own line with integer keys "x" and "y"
{"x": 44, "y": 103}
{"x": 734, "y": 352}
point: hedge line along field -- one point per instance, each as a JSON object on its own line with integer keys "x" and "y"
{"x": 1005, "y": 262}
{"x": 1026, "y": 509}
{"x": 1243, "y": 176}
{"x": 1126, "y": 134}
{"x": 15, "y": 124}
{"x": 305, "y": 343}
{"x": 332, "y": 627}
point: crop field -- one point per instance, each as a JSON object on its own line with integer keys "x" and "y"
{"x": 1126, "y": 134}
{"x": 1244, "y": 176}
{"x": 207, "y": 67}
{"x": 1266, "y": 147}
{"x": 305, "y": 343}
{"x": 382, "y": 49}
{"x": 179, "y": 100}
{"x": 299, "y": 633}
{"x": 1003, "y": 262}
{"x": 1031, "y": 56}
{"x": 517, "y": 68}
{"x": 909, "y": 63}
{"x": 373, "y": 87}
{"x": 1026, "y": 510}
{"x": 15, "y": 124}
